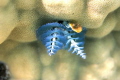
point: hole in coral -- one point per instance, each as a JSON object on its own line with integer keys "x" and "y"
{"x": 4, "y": 72}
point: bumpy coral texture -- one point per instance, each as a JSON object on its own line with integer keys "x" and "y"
{"x": 27, "y": 58}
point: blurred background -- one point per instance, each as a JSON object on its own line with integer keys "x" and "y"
{"x": 27, "y": 58}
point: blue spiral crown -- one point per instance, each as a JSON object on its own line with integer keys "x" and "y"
{"x": 59, "y": 35}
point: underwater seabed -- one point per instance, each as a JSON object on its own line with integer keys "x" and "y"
{"x": 26, "y": 59}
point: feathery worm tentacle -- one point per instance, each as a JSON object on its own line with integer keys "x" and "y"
{"x": 62, "y": 34}
{"x": 52, "y": 36}
{"x": 76, "y": 41}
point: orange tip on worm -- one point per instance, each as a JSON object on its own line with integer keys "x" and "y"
{"x": 75, "y": 27}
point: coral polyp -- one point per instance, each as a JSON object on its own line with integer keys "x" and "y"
{"x": 59, "y": 35}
